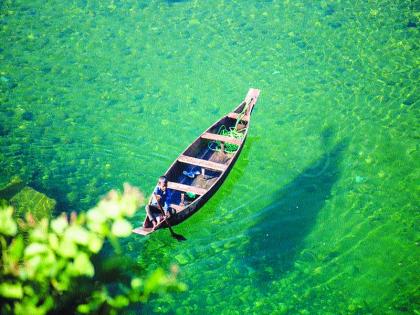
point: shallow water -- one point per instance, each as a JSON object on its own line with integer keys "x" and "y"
{"x": 319, "y": 215}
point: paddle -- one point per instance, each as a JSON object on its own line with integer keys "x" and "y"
{"x": 176, "y": 236}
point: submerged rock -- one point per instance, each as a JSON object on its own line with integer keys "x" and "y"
{"x": 410, "y": 100}
{"x": 329, "y": 10}
{"x": 411, "y": 24}
{"x": 7, "y": 83}
{"x": 28, "y": 116}
{"x": 11, "y": 188}
{"x": 4, "y": 131}
{"x": 30, "y": 200}
{"x": 360, "y": 179}
{"x": 181, "y": 259}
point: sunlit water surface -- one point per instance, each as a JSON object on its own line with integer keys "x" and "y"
{"x": 320, "y": 213}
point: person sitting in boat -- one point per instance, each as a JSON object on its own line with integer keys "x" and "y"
{"x": 160, "y": 203}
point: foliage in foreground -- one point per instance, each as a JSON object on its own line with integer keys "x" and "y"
{"x": 44, "y": 263}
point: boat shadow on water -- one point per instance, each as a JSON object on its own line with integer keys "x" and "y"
{"x": 278, "y": 233}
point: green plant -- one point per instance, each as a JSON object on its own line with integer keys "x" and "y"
{"x": 44, "y": 262}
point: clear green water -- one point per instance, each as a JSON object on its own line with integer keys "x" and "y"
{"x": 320, "y": 215}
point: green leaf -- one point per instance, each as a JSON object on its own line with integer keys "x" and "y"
{"x": 121, "y": 228}
{"x": 95, "y": 215}
{"x": 96, "y": 300}
{"x": 35, "y": 249}
{"x": 95, "y": 243}
{"x": 53, "y": 241}
{"x": 7, "y": 224}
{"x": 77, "y": 234}
{"x": 154, "y": 282}
{"x": 83, "y": 266}
{"x": 16, "y": 249}
{"x": 32, "y": 265}
{"x": 59, "y": 225}
{"x": 47, "y": 305}
{"x": 63, "y": 280}
{"x": 98, "y": 227}
{"x": 119, "y": 301}
{"x": 39, "y": 233}
{"x": 67, "y": 248}
{"x": 11, "y": 290}
{"x": 83, "y": 308}
{"x": 136, "y": 283}
{"x": 110, "y": 209}
{"x": 128, "y": 206}
{"x": 28, "y": 306}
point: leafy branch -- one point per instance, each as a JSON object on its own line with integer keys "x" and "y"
{"x": 42, "y": 261}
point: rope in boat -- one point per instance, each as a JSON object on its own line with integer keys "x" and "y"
{"x": 242, "y": 114}
{"x": 231, "y": 132}
{"x": 229, "y": 147}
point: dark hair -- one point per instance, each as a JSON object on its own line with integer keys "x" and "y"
{"x": 163, "y": 179}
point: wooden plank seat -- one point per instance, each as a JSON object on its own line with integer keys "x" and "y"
{"x": 187, "y": 188}
{"x": 203, "y": 163}
{"x": 236, "y": 115}
{"x": 216, "y": 137}
{"x": 177, "y": 208}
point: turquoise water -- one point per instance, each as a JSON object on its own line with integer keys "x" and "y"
{"x": 319, "y": 215}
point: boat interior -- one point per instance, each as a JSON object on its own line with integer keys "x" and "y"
{"x": 205, "y": 160}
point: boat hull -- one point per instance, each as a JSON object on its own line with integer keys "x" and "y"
{"x": 240, "y": 118}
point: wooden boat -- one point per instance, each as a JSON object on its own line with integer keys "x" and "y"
{"x": 195, "y": 176}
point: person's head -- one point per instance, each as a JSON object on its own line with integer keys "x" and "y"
{"x": 163, "y": 182}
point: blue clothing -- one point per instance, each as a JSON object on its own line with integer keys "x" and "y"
{"x": 164, "y": 198}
